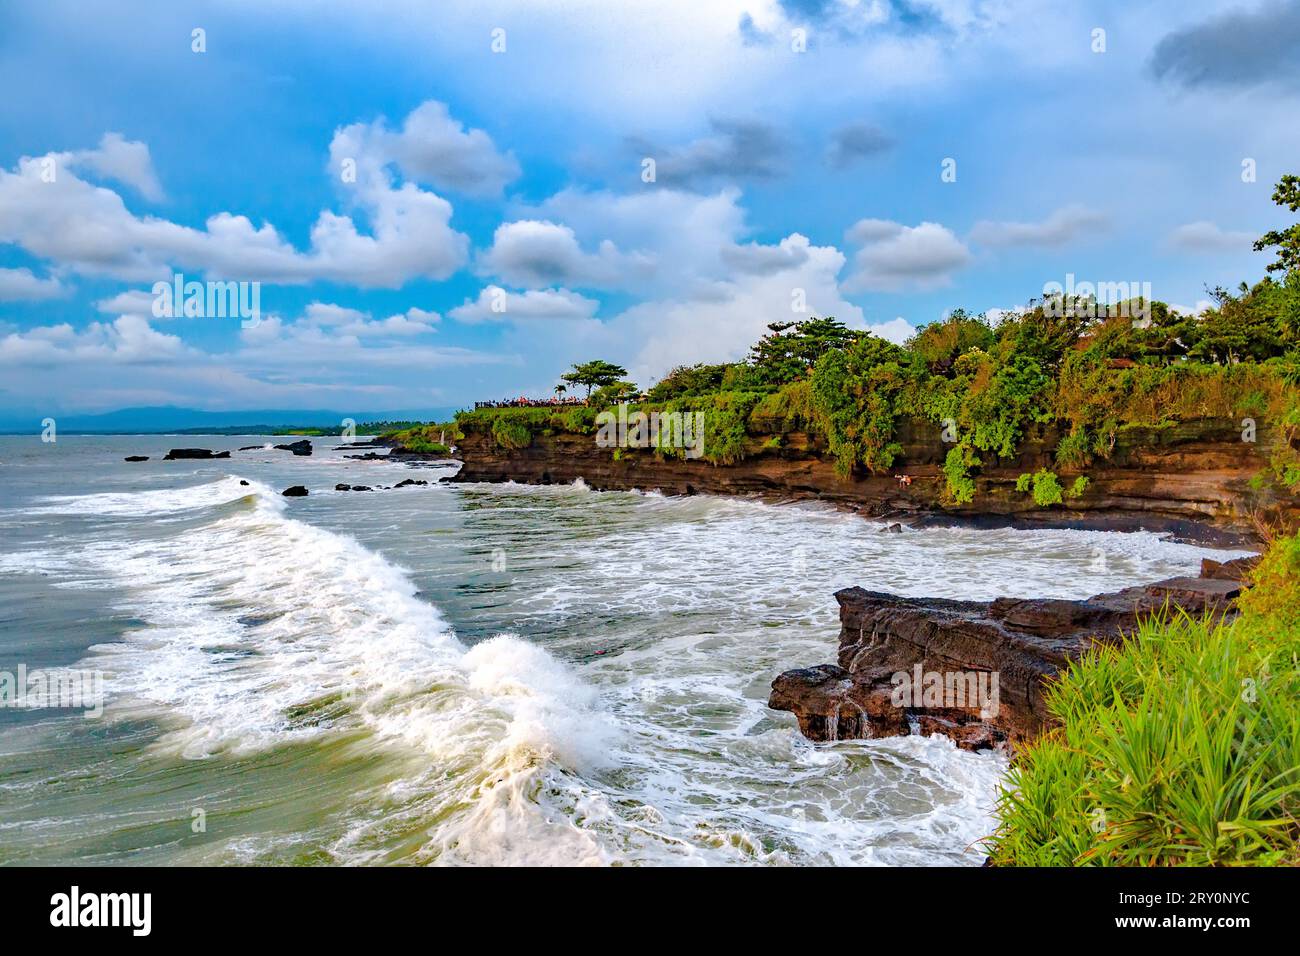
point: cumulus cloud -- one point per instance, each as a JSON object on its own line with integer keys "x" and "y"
{"x": 128, "y": 340}
{"x": 855, "y": 142}
{"x": 1208, "y": 237}
{"x": 737, "y": 149}
{"x": 88, "y": 229}
{"x": 121, "y": 160}
{"x": 20, "y": 285}
{"x": 757, "y": 259}
{"x": 531, "y": 252}
{"x": 132, "y": 302}
{"x": 1063, "y": 226}
{"x": 495, "y": 304}
{"x": 894, "y": 257}
{"x": 1238, "y": 48}
{"x": 432, "y": 147}
{"x": 345, "y": 321}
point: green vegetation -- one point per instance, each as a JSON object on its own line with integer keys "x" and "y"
{"x": 1046, "y": 487}
{"x": 432, "y": 439}
{"x": 1179, "y": 747}
{"x": 1069, "y": 370}
{"x": 594, "y": 374}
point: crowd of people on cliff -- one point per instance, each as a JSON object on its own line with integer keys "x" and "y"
{"x": 524, "y": 402}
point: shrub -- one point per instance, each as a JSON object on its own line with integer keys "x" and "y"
{"x": 511, "y": 433}
{"x": 1074, "y": 450}
{"x": 956, "y": 468}
{"x": 1047, "y": 488}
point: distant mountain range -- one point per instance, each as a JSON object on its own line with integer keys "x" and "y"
{"x": 164, "y": 419}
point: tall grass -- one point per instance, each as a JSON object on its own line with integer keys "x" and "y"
{"x": 1179, "y": 747}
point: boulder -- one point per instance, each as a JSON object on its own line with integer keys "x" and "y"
{"x": 407, "y": 482}
{"x": 136, "y": 458}
{"x": 176, "y": 454}
{"x": 295, "y": 491}
{"x": 301, "y": 447}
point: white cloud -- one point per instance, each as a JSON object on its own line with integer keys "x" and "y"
{"x": 531, "y": 252}
{"x": 495, "y": 304}
{"x": 121, "y": 160}
{"x": 894, "y": 257}
{"x": 1208, "y": 237}
{"x": 89, "y": 229}
{"x": 758, "y": 259}
{"x": 127, "y": 340}
{"x": 20, "y": 285}
{"x": 432, "y": 147}
{"x": 717, "y": 322}
{"x": 1063, "y": 226}
{"x": 325, "y": 319}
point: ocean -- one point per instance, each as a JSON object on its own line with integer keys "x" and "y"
{"x": 464, "y": 674}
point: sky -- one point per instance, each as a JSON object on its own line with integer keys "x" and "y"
{"x": 442, "y": 202}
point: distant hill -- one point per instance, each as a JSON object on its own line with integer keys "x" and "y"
{"x": 169, "y": 419}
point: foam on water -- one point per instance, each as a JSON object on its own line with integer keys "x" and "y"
{"x": 651, "y": 744}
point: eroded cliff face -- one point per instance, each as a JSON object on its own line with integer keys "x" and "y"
{"x": 1192, "y": 478}
{"x": 973, "y": 671}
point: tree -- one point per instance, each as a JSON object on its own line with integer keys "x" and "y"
{"x": 790, "y": 349}
{"x": 613, "y": 394}
{"x": 560, "y": 390}
{"x": 1287, "y": 240}
{"x": 683, "y": 380}
{"x": 594, "y": 374}
{"x": 940, "y": 343}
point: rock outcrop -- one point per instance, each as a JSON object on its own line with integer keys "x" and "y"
{"x": 1191, "y": 479}
{"x": 301, "y": 447}
{"x": 201, "y": 454}
{"x": 295, "y": 491}
{"x": 136, "y": 458}
{"x": 972, "y": 671}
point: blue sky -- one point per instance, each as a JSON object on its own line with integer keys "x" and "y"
{"x": 798, "y": 149}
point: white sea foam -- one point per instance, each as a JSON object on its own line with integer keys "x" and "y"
{"x": 262, "y": 631}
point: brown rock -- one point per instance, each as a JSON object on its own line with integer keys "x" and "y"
{"x": 981, "y": 668}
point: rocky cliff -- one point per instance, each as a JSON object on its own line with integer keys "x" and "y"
{"x": 972, "y": 671}
{"x": 1191, "y": 478}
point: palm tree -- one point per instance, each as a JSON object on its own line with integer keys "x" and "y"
{"x": 560, "y": 390}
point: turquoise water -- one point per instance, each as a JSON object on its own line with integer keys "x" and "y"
{"x": 466, "y": 673}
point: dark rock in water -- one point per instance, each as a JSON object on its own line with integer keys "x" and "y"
{"x": 407, "y": 482}
{"x": 200, "y": 453}
{"x": 136, "y": 458}
{"x": 342, "y": 487}
{"x": 893, "y": 529}
{"x": 361, "y": 488}
{"x": 302, "y": 447}
{"x": 958, "y": 649}
{"x": 296, "y": 491}
{"x": 243, "y": 482}
{"x": 368, "y": 456}
{"x": 251, "y": 447}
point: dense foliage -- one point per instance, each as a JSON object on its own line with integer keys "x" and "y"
{"x": 1081, "y": 372}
